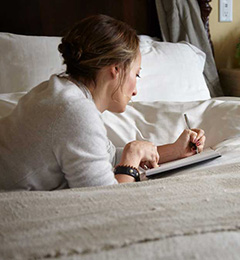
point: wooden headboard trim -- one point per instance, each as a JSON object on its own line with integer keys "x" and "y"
{"x": 206, "y": 9}
{"x": 46, "y": 18}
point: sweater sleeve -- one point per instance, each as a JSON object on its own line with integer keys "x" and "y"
{"x": 80, "y": 145}
{"x": 115, "y": 153}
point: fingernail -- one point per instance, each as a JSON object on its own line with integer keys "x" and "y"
{"x": 198, "y": 143}
{"x": 145, "y": 167}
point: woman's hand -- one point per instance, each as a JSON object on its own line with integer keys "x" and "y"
{"x": 140, "y": 151}
{"x": 135, "y": 153}
{"x": 188, "y": 137}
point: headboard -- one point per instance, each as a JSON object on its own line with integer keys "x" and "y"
{"x": 53, "y": 17}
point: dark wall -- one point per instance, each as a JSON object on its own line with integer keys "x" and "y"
{"x": 53, "y": 17}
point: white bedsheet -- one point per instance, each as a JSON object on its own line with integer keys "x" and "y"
{"x": 162, "y": 122}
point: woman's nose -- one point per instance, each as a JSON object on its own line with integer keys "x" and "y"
{"x": 134, "y": 92}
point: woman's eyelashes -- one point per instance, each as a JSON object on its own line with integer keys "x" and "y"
{"x": 138, "y": 76}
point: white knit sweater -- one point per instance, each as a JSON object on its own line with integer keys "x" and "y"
{"x": 55, "y": 138}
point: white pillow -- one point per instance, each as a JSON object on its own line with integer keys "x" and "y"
{"x": 26, "y": 61}
{"x": 171, "y": 72}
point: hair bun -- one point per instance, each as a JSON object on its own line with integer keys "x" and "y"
{"x": 69, "y": 51}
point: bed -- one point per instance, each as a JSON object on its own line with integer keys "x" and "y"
{"x": 192, "y": 213}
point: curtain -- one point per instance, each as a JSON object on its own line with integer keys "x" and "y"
{"x": 180, "y": 20}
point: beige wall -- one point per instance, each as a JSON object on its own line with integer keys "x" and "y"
{"x": 225, "y": 36}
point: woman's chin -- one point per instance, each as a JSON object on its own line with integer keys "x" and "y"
{"x": 117, "y": 109}
{"x": 120, "y": 110}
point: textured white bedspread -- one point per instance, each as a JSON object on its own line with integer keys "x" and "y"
{"x": 192, "y": 215}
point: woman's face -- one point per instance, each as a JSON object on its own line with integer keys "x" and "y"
{"x": 125, "y": 92}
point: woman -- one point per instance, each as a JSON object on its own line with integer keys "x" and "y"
{"x": 55, "y": 137}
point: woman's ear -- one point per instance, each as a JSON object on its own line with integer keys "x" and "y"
{"x": 115, "y": 71}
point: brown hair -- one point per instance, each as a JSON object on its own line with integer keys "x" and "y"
{"x": 96, "y": 42}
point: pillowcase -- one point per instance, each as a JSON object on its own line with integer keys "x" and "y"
{"x": 171, "y": 72}
{"x": 26, "y": 61}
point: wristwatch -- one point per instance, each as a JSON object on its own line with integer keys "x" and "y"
{"x": 128, "y": 170}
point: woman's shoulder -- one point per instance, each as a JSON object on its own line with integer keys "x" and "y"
{"x": 60, "y": 94}
{"x": 59, "y": 98}
{"x": 64, "y": 89}
{"x": 57, "y": 91}
{"x": 74, "y": 103}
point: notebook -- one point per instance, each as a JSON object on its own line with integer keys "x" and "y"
{"x": 207, "y": 154}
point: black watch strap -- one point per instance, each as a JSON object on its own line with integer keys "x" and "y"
{"x": 128, "y": 170}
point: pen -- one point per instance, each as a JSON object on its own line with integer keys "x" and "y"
{"x": 188, "y": 125}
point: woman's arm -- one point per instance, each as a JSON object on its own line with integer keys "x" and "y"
{"x": 182, "y": 148}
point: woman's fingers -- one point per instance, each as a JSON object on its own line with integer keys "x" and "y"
{"x": 200, "y": 133}
{"x": 200, "y": 143}
{"x": 140, "y": 151}
{"x": 197, "y": 137}
{"x": 154, "y": 164}
{"x": 149, "y": 164}
{"x": 152, "y": 156}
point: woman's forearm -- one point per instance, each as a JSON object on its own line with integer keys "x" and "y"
{"x": 168, "y": 153}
